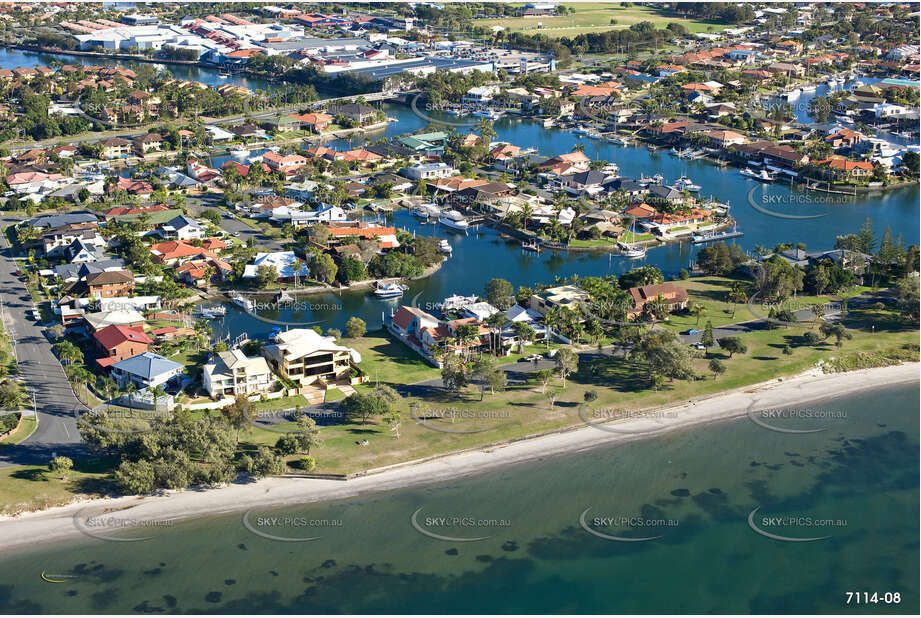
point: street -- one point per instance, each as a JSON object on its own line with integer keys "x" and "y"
{"x": 41, "y": 373}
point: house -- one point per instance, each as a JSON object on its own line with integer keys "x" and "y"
{"x": 724, "y": 138}
{"x": 285, "y": 264}
{"x": 569, "y": 163}
{"x": 427, "y": 171}
{"x": 109, "y": 284}
{"x": 356, "y": 112}
{"x": 125, "y": 317}
{"x": 316, "y": 122}
{"x": 116, "y": 343}
{"x": 839, "y": 167}
{"x": 844, "y": 138}
{"x": 564, "y": 296}
{"x": 285, "y": 164}
{"x": 182, "y": 227}
{"x": 584, "y": 183}
{"x": 79, "y": 251}
{"x": 232, "y": 373}
{"x": 147, "y": 143}
{"x": 788, "y": 69}
{"x": 484, "y": 194}
{"x": 387, "y": 235}
{"x": 673, "y": 296}
{"x": 173, "y": 252}
{"x": 56, "y": 240}
{"x": 115, "y": 148}
{"x": 326, "y": 213}
{"x": 146, "y": 370}
{"x": 195, "y": 272}
{"x": 480, "y": 95}
{"x": 247, "y": 130}
{"x": 304, "y": 356}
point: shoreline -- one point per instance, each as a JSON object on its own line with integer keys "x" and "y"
{"x": 56, "y": 524}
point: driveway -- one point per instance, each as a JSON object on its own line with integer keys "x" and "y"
{"x": 41, "y": 373}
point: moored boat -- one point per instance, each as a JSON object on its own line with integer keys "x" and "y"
{"x": 390, "y": 290}
{"x": 454, "y": 220}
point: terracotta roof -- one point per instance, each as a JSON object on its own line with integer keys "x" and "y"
{"x": 113, "y": 335}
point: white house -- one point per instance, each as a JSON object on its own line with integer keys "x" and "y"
{"x": 146, "y": 370}
{"x": 427, "y": 171}
{"x": 283, "y": 262}
{"x": 234, "y": 373}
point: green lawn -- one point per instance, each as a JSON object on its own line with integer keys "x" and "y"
{"x": 596, "y": 17}
{"x": 282, "y": 403}
{"x": 26, "y": 427}
{"x": 32, "y": 488}
{"x": 386, "y": 360}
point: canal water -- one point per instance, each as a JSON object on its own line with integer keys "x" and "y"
{"x": 482, "y": 254}
{"x": 691, "y": 492}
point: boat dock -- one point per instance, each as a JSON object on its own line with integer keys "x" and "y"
{"x": 715, "y": 236}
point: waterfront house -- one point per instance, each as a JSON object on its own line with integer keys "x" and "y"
{"x": 147, "y": 143}
{"x": 145, "y": 370}
{"x": 285, "y": 164}
{"x": 564, "y": 296}
{"x": 673, "y": 296}
{"x": 115, "y": 343}
{"x": 356, "y": 112}
{"x": 724, "y": 138}
{"x": 196, "y": 272}
{"x": 232, "y": 373}
{"x": 428, "y": 171}
{"x": 285, "y": 263}
{"x": 305, "y": 357}
{"x": 840, "y": 168}
{"x": 115, "y": 148}
{"x": 387, "y": 235}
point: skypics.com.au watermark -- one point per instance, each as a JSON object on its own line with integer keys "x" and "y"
{"x": 288, "y": 528}
{"x": 779, "y": 419}
{"x": 106, "y": 526}
{"x": 771, "y": 526}
{"x": 785, "y": 206}
{"x": 616, "y": 420}
{"x": 615, "y": 522}
{"x": 435, "y": 418}
{"x": 443, "y": 527}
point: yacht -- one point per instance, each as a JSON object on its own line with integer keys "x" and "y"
{"x": 809, "y": 88}
{"x": 549, "y": 123}
{"x": 633, "y": 252}
{"x": 454, "y": 220}
{"x": 794, "y": 94}
{"x": 762, "y": 176}
{"x": 223, "y": 75}
{"x": 611, "y": 168}
{"x": 621, "y": 141}
{"x": 390, "y": 290}
{"x": 652, "y": 180}
{"x": 685, "y": 184}
{"x": 421, "y": 212}
{"x": 581, "y": 130}
{"x": 444, "y": 246}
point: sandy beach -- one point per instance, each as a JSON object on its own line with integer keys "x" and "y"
{"x": 58, "y": 523}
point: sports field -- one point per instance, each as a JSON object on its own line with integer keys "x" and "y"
{"x": 596, "y": 17}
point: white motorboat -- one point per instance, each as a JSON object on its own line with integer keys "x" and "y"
{"x": 239, "y": 153}
{"x": 243, "y": 302}
{"x": 685, "y": 184}
{"x": 454, "y": 220}
{"x": 390, "y": 290}
{"x": 489, "y": 114}
{"x": 762, "y": 176}
{"x": 794, "y": 94}
{"x": 657, "y": 179}
{"x": 611, "y": 168}
{"x": 421, "y": 212}
{"x": 581, "y": 130}
{"x": 809, "y": 88}
{"x": 549, "y": 123}
{"x": 444, "y": 246}
{"x": 620, "y": 141}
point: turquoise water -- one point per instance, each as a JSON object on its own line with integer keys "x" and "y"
{"x": 698, "y": 488}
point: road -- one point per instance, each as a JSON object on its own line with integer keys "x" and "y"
{"x": 232, "y": 226}
{"x": 40, "y": 372}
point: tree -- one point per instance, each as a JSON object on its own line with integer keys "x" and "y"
{"x": 706, "y": 339}
{"x": 60, "y": 466}
{"x": 665, "y": 355}
{"x": 352, "y": 269}
{"x": 157, "y": 391}
{"x": 211, "y": 215}
{"x": 543, "y": 377}
{"x": 454, "y": 374}
{"x": 567, "y": 362}
{"x": 362, "y": 406}
{"x": 308, "y": 463}
{"x": 906, "y": 293}
{"x": 733, "y": 345}
{"x": 393, "y": 420}
{"x": 266, "y": 463}
{"x": 499, "y": 293}
{"x": 698, "y": 311}
{"x": 239, "y": 414}
{"x": 319, "y": 233}
{"x": 355, "y": 327}
{"x": 717, "y": 367}
{"x": 324, "y": 268}
{"x": 867, "y": 237}
{"x": 135, "y": 477}
{"x": 266, "y": 275}
{"x": 810, "y": 337}
{"x": 837, "y": 330}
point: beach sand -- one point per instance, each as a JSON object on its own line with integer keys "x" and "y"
{"x": 59, "y": 523}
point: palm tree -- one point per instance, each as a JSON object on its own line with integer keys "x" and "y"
{"x": 526, "y": 213}
{"x": 496, "y": 323}
{"x": 699, "y": 310}
{"x": 157, "y": 392}
{"x": 130, "y": 389}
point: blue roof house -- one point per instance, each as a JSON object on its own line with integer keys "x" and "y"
{"x": 146, "y": 370}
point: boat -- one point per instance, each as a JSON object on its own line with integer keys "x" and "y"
{"x": 284, "y": 298}
{"x": 420, "y": 212}
{"x": 652, "y": 180}
{"x": 685, "y": 184}
{"x": 212, "y": 311}
{"x": 764, "y": 176}
{"x": 454, "y": 220}
{"x": 223, "y": 75}
{"x": 490, "y": 114}
{"x": 239, "y": 153}
{"x": 445, "y": 247}
{"x": 549, "y": 123}
{"x": 533, "y": 245}
{"x": 809, "y": 88}
{"x": 390, "y": 290}
{"x": 243, "y": 302}
{"x": 633, "y": 252}
{"x": 455, "y": 302}
{"x": 620, "y": 141}
{"x": 794, "y": 94}
{"x": 714, "y": 236}
{"x": 611, "y": 168}
{"x": 582, "y": 130}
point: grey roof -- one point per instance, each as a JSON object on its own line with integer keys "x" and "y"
{"x": 74, "y": 248}
{"x": 180, "y": 221}
{"x": 664, "y": 192}
{"x": 147, "y": 365}
{"x": 52, "y": 221}
{"x": 80, "y": 270}
{"x": 588, "y": 178}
